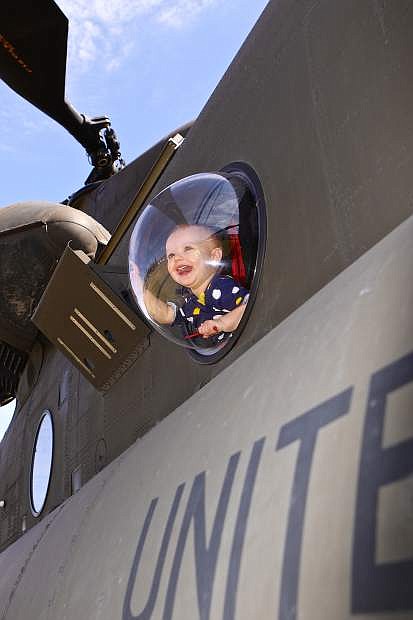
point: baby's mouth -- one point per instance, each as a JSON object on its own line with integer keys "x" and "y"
{"x": 183, "y": 270}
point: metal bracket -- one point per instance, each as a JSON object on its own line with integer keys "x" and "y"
{"x": 90, "y": 324}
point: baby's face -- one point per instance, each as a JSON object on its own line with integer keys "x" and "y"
{"x": 193, "y": 257}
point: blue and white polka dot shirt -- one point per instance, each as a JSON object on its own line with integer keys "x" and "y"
{"x": 222, "y": 295}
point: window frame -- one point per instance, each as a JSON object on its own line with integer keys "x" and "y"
{"x": 37, "y": 512}
{"x": 245, "y": 172}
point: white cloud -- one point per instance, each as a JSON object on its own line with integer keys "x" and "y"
{"x": 177, "y": 14}
{"x": 103, "y": 30}
{"x": 14, "y": 112}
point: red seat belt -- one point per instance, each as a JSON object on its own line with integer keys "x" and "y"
{"x": 238, "y": 270}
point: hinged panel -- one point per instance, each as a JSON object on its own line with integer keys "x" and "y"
{"x": 88, "y": 322}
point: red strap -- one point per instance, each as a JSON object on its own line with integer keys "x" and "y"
{"x": 237, "y": 262}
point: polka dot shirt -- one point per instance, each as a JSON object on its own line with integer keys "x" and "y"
{"x": 222, "y": 295}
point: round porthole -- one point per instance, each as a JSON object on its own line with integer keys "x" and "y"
{"x": 194, "y": 259}
{"x": 42, "y": 461}
{"x": 6, "y": 416}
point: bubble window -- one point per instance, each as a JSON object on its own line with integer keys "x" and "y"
{"x": 42, "y": 460}
{"x": 193, "y": 259}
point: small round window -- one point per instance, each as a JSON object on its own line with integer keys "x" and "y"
{"x": 193, "y": 260}
{"x": 6, "y": 416}
{"x": 42, "y": 460}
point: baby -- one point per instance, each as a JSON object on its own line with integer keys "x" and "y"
{"x": 213, "y": 303}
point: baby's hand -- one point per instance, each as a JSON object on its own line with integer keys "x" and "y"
{"x": 210, "y": 328}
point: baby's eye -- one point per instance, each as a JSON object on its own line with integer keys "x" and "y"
{"x": 188, "y": 248}
{"x": 170, "y": 256}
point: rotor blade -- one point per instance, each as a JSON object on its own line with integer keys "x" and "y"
{"x": 33, "y": 44}
{"x": 33, "y": 47}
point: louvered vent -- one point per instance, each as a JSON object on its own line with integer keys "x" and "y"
{"x": 12, "y": 362}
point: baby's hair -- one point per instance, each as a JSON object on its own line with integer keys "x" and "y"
{"x": 216, "y": 234}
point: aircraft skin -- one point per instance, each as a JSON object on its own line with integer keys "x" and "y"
{"x": 295, "y": 502}
{"x": 276, "y": 482}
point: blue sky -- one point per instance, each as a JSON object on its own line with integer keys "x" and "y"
{"x": 150, "y": 65}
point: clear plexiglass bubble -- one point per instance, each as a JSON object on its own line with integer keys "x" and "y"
{"x": 192, "y": 257}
